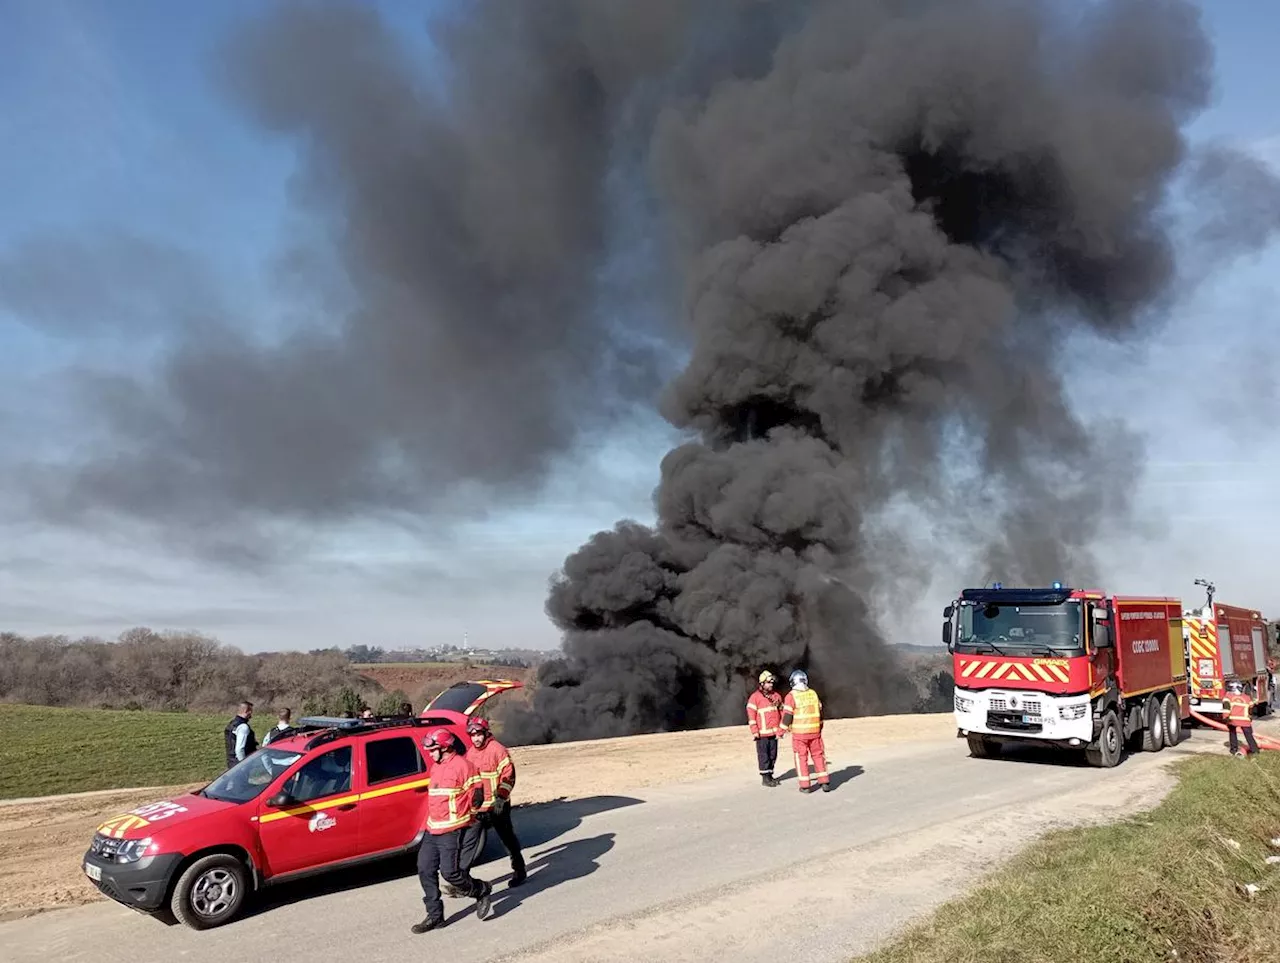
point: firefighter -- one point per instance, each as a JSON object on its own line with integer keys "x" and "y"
{"x": 802, "y": 717}
{"x": 764, "y": 716}
{"x": 1239, "y": 717}
{"x": 453, "y": 800}
{"x": 498, "y": 774}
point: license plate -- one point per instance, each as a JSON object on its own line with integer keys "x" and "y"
{"x": 1029, "y": 720}
{"x": 93, "y": 872}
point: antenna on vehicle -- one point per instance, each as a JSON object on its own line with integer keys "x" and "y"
{"x": 1209, "y": 589}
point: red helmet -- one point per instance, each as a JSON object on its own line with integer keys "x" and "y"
{"x": 438, "y": 739}
{"x": 478, "y": 724}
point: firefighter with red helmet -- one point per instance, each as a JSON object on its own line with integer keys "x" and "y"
{"x": 498, "y": 776}
{"x": 764, "y": 716}
{"x": 802, "y": 717}
{"x": 1239, "y": 717}
{"x": 453, "y": 800}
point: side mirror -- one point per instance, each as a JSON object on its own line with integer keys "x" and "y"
{"x": 281, "y": 800}
{"x": 1101, "y": 636}
{"x": 946, "y": 634}
{"x": 949, "y": 611}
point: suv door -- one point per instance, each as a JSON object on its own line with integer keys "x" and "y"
{"x": 393, "y": 801}
{"x": 321, "y": 824}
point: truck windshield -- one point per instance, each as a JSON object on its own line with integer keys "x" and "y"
{"x": 247, "y": 779}
{"x": 1020, "y": 628}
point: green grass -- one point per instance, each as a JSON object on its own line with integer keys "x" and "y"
{"x": 46, "y": 751}
{"x": 1133, "y": 891}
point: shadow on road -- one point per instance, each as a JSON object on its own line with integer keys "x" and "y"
{"x": 535, "y": 825}
{"x": 838, "y": 778}
{"x": 560, "y": 864}
{"x": 540, "y": 823}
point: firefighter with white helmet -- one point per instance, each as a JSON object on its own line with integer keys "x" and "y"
{"x": 764, "y": 716}
{"x": 1239, "y": 717}
{"x": 802, "y": 717}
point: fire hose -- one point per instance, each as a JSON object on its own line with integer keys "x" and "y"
{"x": 1263, "y": 741}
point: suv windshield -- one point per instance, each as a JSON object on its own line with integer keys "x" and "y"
{"x": 247, "y": 779}
{"x": 1021, "y": 628}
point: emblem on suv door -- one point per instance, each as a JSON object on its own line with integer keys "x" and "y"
{"x": 320, "y": 822}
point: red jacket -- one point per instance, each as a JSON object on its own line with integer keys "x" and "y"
{"x": 764, "y": 713}
{"x": 454, "y": 796}
{"x": 1239, "y": 710}
{"x": 497, "y": 771}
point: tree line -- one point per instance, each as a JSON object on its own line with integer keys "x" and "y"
{"x": 178, "y": 672}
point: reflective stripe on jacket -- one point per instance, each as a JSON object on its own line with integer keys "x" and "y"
{"x": 1240, "y": 710}
{"x": 452, "y": 797}
{"x": 805, "y": 709}
{"x": 764, "y": 713}
{"x": 497, "y": 771}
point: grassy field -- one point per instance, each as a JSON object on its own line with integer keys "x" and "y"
{"x": 46, "y": 751}
{"x": 1160, "y": 887}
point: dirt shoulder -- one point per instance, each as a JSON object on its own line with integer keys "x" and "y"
{"x": 42, "y": 841}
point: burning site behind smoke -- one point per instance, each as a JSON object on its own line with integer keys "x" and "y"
{"x": 886, "y": 241}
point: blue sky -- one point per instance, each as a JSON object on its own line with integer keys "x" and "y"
{"x": 118, "y": 137}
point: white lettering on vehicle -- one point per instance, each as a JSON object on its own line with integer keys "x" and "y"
{"x": 154, "y": 812}
{"x": 1145, "y": 645}
{"x": 1130, "y": 616}
{"x": 320, "y": 822}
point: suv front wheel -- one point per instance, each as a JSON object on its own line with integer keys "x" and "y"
{"x": 210, "y": 892}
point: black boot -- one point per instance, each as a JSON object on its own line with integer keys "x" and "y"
{"x": 826, "y": 787}
{"x": 766, "y": 779}
{"x": 427, "y": 925}
{"x": 484, "y": 908}
{"x": 518, "y": 875}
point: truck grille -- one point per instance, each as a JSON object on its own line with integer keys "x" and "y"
{"x": 1026, "y": 707}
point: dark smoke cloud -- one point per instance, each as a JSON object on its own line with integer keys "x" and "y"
{"x": 888, "y": 242}
{"x": 468, "y": 206}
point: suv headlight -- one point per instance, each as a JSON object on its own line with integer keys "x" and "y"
{"x": 132, "y": 850}
{"x": 1072, "y": 713}
{"x": 963, "y": 703}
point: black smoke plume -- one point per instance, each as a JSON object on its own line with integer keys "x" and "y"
{"x": 888, "y": 240}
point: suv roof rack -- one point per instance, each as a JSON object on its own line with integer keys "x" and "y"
{"x": 363, "y": 726}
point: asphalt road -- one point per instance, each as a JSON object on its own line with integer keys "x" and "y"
{"x": 720, "y": 868}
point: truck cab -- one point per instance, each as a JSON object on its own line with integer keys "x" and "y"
{"x": 1067, "y": 668}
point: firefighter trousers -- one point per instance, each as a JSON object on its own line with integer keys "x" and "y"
{"x": 767, "y": 754}
{"x": 806, "y": 746}
{"x": 441, "y": 856}
{"x": 1234, "y": 740}
{"x": 501, "y": 824}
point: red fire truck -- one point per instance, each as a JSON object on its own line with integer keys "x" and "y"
{"x": 1224, "y": 642}
{"x": 1069, "y": 668}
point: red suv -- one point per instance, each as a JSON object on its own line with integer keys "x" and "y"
{"x": 327, "y": 794}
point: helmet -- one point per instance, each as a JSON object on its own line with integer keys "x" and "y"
{"x": 438, "y": 739}
{"x": 478, "y": 724}
{"x": 799, "y": 680}
{"x": 1235, "y": 685}
{"x": 767, "y": 676}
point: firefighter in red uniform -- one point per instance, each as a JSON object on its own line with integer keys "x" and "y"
{"x": 764, "y": 716}
{"x": 452, "y": 802}
{"x": 1239, "y": 717}
{"x": 498, "y": 775}
{"x": 802, "y": 717}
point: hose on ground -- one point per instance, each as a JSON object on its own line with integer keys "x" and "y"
{"x": 1263, "y": 741}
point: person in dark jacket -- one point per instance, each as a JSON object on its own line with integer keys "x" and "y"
{"x": 238, "y": 735}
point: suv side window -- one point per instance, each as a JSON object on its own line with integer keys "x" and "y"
{"x": 388, "y": 759}
{"x": 326, "y": 775}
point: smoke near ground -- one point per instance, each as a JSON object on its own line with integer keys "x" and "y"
{"x": 887, "y": 242}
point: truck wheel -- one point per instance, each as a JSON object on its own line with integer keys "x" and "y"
{"x": 1105, "y": 753}
{"x": 980, "y": 747}
{"x": 1153, "y": 734}
{"x": 1172, "y": 720}
{"x": 210, "y": 892}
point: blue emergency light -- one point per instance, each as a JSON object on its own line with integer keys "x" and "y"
{"x": 996, "y": 585}
{"x": 1057, "y": 585}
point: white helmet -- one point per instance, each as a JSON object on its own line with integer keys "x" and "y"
{"x": 799, "y": 680}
